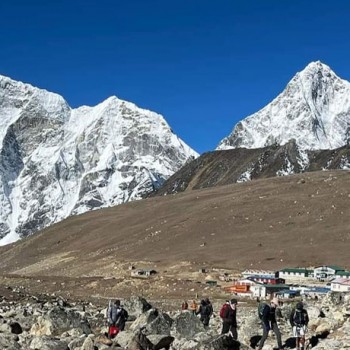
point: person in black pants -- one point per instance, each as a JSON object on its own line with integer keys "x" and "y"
{"x": 229, "y": 320}
{"x": 270, "y": 323}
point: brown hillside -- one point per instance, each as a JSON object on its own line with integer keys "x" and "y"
{"x": 269, "y": 223}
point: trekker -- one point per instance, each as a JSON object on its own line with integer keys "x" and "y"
{"x": 269, "y": 323}
{"x": 193, "y": 307}
{"x": 210, "y": 306}
{"x": 299, "y": 320}
{"x": 205, "y": 310}
{"x": 116, "y": 317}
{"x": 184, "y": 305}
{"x": 229, "y": 320}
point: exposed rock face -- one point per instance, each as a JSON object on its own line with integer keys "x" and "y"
{"x": 314, "y": 109}
{"x": 240, "y": 165}
{"x": 57, "y": 161}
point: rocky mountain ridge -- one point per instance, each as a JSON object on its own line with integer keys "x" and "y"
{"x": 57, "y": 161}
{"x": 225, "y": 167}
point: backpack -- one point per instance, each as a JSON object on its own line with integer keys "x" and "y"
{"x": 124, "y": 314}
{"x": 113, "y": 331}
{"x": 223, "y": 309}
{"x": 299, "y": 318}
{"x": 261, "y": 309}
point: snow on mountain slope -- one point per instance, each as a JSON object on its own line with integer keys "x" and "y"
{"x": 57, "y": 161}
{"x": 314, "y": 109}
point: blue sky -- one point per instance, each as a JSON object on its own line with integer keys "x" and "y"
{"x": 203, "y": 64}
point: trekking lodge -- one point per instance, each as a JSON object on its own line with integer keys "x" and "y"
{"x": 291, "y": 282}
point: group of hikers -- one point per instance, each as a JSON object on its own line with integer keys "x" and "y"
{"x": 117, "y": 317}
{"x": 267, "y": 313}
{"x": 205, "y": 310}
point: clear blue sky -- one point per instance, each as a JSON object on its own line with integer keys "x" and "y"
{"x": 203, "y": 64}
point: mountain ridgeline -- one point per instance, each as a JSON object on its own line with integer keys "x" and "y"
{"x": 313, "y": 109}
{"x": 57, "y": 161}
{"x": 306, "y": 128}
{"x": 240, "y": 165}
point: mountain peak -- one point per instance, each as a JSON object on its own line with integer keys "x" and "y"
{"x": 76, "y": 160}
{"x": 316, "y": 69}
{"x": 314, "y": 109}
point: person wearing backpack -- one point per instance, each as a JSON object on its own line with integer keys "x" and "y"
{"x": 299, "y": 320}
{"x": 205, "y": 311}
{"x": 229, "y": 318}
{"x": 123, "y": 317}
{"x": 269, "y": 322}
{"x": 113, "y": 312}
{"x": 116, "y": 318}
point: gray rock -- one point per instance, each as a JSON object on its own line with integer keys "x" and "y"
{"x": 88, "y": 343}
{"x": 160, "y": 341}
{"x": 144, "y": 319}
{"x": 136, "y": 306}
{"x": 48, "y": 343}
{"x": 187, "y": 325}
{"x": 59, "y": 320}
{"x": 161, "y": 325}
{"x": 76, "y": 343}
{"x": 124, "y": 338}
{"x": 8, "y": 342}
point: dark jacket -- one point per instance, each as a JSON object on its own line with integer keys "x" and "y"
{"x": 113, "y": 313}
{"x": 117, "y": 315}
{"x": 269, "y": 315}
{"x": 229, "y": 316}
{"x": 299, "y": 317}
{"x": 205, "y": 311}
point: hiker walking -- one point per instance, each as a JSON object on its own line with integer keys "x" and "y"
{"x": 269, "y": 322}
{"x": 184, "y": 305}
{"x": 193, "y": 307}
{"x": 210, "y": 306}
{"x": 205, "y": 311}
{"x": 116, "y": 318}
{"x": 299, "y": 320}
{"x": 229, "y": 318}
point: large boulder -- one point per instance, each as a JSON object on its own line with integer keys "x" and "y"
{"x": 187, "y": 325}
{"x": 124, "y": 338}
{"x": 136, "y": 306}
{"x": 59, "y": 320}
{"x": 140, "y": 342}
{"x": 88, "y": 343}
{"x": 160, "y": 325}
{"x": 48, "y": 343}
{"x": 144, "y": 319}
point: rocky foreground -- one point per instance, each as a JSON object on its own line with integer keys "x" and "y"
{"x": 52, "y": 323}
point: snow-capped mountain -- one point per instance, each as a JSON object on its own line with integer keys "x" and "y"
{"x": 314, "y": 109}
{"x": 57, "y": 161}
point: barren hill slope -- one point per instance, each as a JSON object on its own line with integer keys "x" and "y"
{"x": 269, "y": 223}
